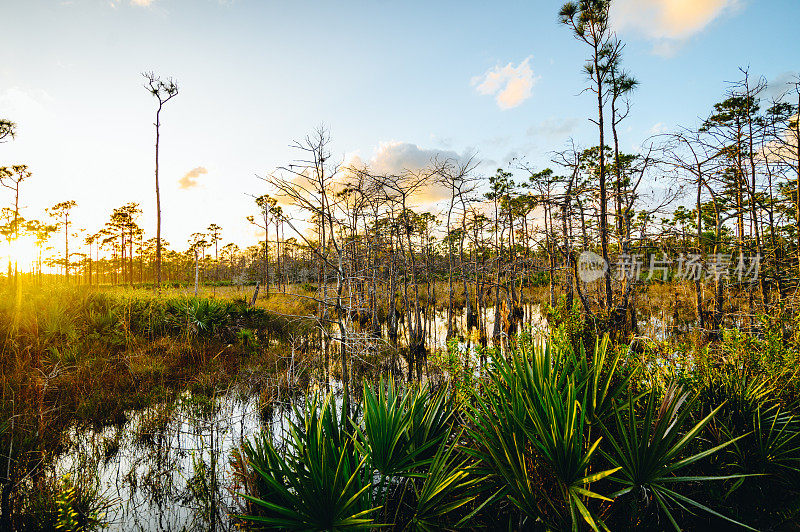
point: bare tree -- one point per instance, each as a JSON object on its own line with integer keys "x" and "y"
{"x": 458, "y": 179}
{"x": 163, "y": 91}
{"x": 399, "y": 190}
{"x": 308, "y": 185}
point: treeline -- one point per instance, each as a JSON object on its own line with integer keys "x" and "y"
{"x": 714, "y": 204}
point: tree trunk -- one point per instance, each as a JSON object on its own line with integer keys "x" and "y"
{"x": 603, "y": 195}
{"x": 158, "y": 204}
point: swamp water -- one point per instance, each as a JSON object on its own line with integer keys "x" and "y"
{"x": 168, "y": 467}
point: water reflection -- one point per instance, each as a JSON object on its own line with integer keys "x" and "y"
{"x": 168, "y": 467}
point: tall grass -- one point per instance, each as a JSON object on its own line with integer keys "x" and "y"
{"x": 79, "y": 356}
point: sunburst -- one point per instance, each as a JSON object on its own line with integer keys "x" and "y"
{"x": 23, "y": 252}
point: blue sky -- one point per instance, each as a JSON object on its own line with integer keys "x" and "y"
{"x": 396, "y": 82}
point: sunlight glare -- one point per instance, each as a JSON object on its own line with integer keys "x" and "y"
{"x": 23, "y": 250}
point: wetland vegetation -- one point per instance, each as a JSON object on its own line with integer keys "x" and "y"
{"x": 608, "y": 343}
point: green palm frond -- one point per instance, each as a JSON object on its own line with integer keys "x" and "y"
{"x": 448, "y": 487}
{"x": 321, "y": 483}
{"x": 649, "y": 450}
{"x": 531, "y": 431}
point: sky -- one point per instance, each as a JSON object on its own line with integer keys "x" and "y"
{"x": 396, "y": 83}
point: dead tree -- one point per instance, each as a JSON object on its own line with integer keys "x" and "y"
{"x": 163, "y": 91}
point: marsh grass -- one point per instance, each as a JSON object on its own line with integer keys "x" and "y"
{"x": 85, "y": 357}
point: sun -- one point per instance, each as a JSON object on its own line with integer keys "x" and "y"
{"x": 23, "y": 251}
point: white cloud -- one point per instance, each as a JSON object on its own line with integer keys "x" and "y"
{"x": 189, "y": 180}
{"x": 394, "y": 157}
{"x": 658, "y": 128}
{"x": 668, "y": 22}
{"x": 510, "y": 84}
{"x": 777, "y": 86}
